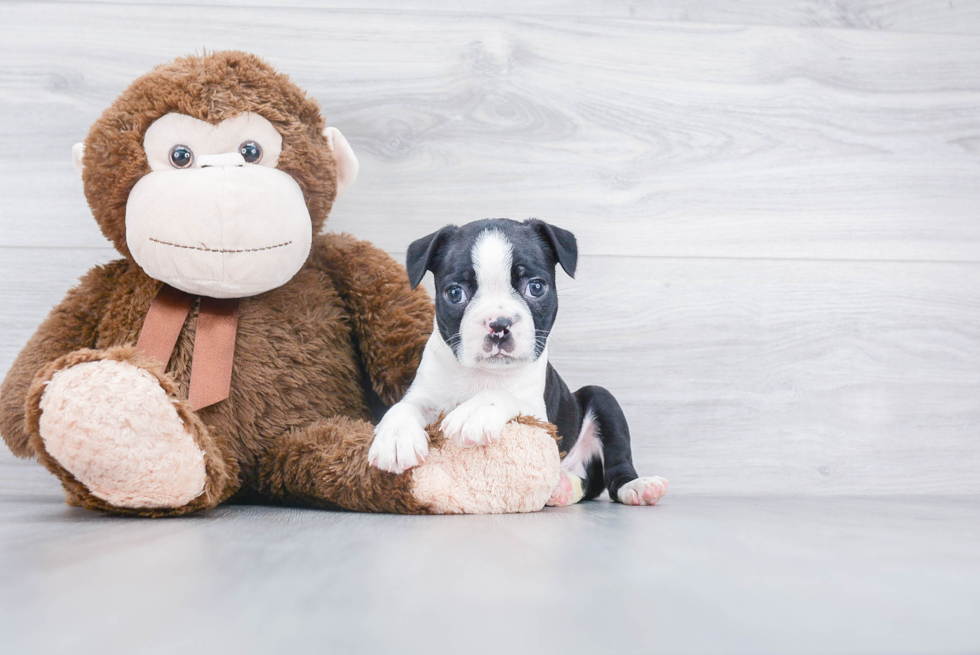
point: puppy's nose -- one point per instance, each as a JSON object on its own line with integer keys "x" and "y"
{"x": 500, "y": 324}
{"x": 500, "y": 329}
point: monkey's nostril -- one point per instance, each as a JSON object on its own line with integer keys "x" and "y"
{"x": 225, "y": 160}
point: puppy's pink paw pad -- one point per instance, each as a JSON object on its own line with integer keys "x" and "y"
{"x": 642, "y": 491}
{"x": 568, "y": 492}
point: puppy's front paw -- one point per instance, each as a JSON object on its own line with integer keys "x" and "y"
{"x": 398, "y": 445}
{"x": 642, "y": 491}
{"x": 568, "y": 492}
{"x": 475, "y": 423}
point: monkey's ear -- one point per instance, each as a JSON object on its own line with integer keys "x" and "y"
{"x": 561, "y": 241}
{"x": 343, "y": 154}
{"x": 423, "y": 251}
{"x": 77, "y": 151}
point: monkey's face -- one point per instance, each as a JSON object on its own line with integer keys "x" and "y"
{"x": 214, "y": 216}
{"x": 213, "y": 172}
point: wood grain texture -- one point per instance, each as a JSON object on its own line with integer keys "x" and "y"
{"x": 692, "y": 575}
{"x": 779, "y": 223}
{"x": 647, "y": 139}
{"x": 933, "y": 16}
{"x": 738, "y": 376}
{"x": 785, "y": 377}
{"x": 34, "y": 281}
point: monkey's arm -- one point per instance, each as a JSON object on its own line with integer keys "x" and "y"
{"x": 70, "y": 326}
{"x": 390, "y": 320}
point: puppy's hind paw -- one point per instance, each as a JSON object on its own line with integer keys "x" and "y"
{"x": 642, "y": 491}
{"x": 568, "y": 492}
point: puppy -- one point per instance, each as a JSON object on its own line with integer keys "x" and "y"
{"x": 487, "y": 361}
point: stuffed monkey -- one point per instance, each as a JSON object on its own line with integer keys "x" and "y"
{"x": 234, "y": 352}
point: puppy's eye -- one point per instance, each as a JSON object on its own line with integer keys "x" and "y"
{"x": 251, "y": 152}
{"x": 535, "y": 289}
{"x": 455, "y": 294}
{"x": 181, "y": 157}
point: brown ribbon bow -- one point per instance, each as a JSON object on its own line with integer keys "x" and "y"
{"x": 214, "y": 342}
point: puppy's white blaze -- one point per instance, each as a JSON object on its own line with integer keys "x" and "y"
{"x": 586, "y": 449}
{"x": 493, "y": 259}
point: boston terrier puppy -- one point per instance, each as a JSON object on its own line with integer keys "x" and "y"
{"x": 487, "y": 361}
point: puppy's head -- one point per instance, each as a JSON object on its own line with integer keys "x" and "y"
{"x": 495, "y": 286}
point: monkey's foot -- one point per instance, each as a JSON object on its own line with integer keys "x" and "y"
{"x": 642, "y": 491}
{"x": 514, "y": 473}
{"x": 568, "y": 492}
{"x": 113, "y": 427}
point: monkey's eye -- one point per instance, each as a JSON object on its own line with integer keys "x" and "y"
{"x": 535, "y": 288}
{"x": 181, "y": 157}
{"x": 251, "y": 152}
{"x": 455, "y": 294}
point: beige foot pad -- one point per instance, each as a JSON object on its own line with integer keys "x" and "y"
{"x": 113, "y": 427}
{"x": 515, "y": 473}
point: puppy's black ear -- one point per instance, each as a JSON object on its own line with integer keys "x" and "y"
{"x": 422, "y": 251}
{"x": 561, "y": 241}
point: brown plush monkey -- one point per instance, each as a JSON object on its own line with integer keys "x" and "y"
{"x": 233, "y": 352}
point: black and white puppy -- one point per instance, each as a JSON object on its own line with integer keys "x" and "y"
{"x": 487, "y": 360}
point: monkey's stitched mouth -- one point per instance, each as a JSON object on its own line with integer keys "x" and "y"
{"x": 204, "y": 248}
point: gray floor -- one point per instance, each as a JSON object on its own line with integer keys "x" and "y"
{"x": 696, "y": 574}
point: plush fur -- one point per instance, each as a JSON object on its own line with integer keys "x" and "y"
{"x": 220, "y": 465}
{"x": 493, "y": 479}
{"x": 315, "y": 359}
{"x": 138, "y": 455}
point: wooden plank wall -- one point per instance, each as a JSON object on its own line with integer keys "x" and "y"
{"x": 778, "y": 203}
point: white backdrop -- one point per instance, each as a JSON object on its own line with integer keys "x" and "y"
{"x": 778, "y": 205}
